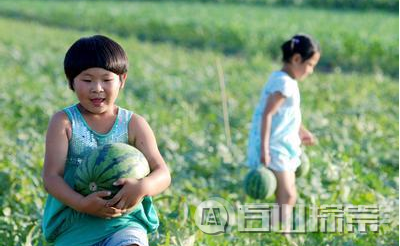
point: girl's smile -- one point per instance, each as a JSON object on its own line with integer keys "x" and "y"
{"x": 97, "y": 102}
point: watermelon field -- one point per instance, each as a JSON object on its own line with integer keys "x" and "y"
{"x": 350, "y": 103}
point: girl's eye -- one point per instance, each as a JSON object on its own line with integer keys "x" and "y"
{"x": 107, "y": 80}
{"x": 86, "y": 80}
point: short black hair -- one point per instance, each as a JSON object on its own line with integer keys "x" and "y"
{"x": 302, "y": 44}
{"x": 95, "y": 51}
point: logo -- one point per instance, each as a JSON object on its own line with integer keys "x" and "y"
{"x": 214, "y": 216}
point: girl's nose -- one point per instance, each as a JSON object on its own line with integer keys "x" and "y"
{"x": 96, "y": 87}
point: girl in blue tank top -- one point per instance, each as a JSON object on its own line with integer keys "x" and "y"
{"x": 276, "y": 132}
{"x": 96, "y": 68}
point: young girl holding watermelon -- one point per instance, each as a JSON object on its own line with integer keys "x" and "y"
{"x": 96, "y": 68}
{"x": 277, "y": 133}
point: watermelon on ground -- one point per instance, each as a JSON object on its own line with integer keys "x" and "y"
{"x": 260, "y": 183}
{"x": 304, "y": 167}
{"x": 106, "y": 164}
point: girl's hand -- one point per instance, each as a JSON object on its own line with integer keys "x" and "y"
{"x": 307, "y": 138}
{"x": 131, "y": 193}
{"x": 94, "y": 204}
{"x": 265, "y": 158}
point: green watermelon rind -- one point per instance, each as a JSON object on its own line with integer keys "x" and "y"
{"x": 304, "y": 167}
{"x": 115, "y": 155}
{"x": 258, "y": 178}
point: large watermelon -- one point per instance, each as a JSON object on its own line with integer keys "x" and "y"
{"x": 106, "y": 164}
{"x": 260, "y": 183}
{"x": 304, "y": 167}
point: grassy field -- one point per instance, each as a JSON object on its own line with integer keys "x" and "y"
{"x": 354, "y": 115}
{"x": 347, "y": 38}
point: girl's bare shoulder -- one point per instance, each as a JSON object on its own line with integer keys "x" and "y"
{"x": 137, "y": 126}
{"x": 59, "y": 121}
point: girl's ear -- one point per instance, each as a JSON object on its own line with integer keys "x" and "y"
{"x": 296, "y": 58}
{"x": 122, "y": 79}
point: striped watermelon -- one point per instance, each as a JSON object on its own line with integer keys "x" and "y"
{"x": 106, "y": 164}
{"x": 260, "y": 183}
{"x": 304, "y": 167}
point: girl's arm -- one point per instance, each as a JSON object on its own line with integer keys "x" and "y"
{"x": 142, "y": 137}
{"x": 307, "y": 138}
{"x": 275, "y": 100}
{"x": 159, "y": 178}
{"x": 53, "y": 172}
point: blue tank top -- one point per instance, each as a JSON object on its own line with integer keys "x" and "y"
{"x": 65, "y": 226}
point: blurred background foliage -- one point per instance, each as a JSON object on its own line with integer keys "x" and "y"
{"x": 350, "y": 104}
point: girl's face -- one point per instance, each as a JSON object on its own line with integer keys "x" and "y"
{"x": 301, "y": 69}
{"x": 97, "y": 89}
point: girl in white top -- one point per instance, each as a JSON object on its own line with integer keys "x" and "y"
{"x": 276, "y": 133}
